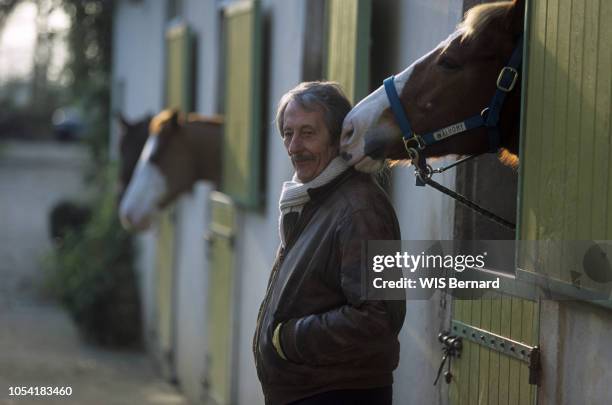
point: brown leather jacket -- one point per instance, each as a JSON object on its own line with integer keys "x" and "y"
{"x": 332, "y": 338}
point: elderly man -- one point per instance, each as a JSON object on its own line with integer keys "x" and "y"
{"x": 317, "y": 341}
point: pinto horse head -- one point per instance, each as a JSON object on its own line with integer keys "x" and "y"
{"x": 454, "y": 81}
{"x": 179, "y": 151}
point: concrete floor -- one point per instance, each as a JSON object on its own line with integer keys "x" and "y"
{"x": 39, "y": 344}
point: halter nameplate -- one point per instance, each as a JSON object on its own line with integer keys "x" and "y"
{"x": 449, "y": 131}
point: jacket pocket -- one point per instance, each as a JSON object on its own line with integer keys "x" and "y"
{"x": 258, "y": 354}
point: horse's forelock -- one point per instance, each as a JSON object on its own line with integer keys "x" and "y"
{"x": 161, "y": 119}
{"x": 479, "y": 18}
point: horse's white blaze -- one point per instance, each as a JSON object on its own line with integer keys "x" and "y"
{"x": 144, "y": 192}
{"x": 363, "y": 119}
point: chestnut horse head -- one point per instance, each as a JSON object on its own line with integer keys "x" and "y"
{"x": 441, "y": 92}
{"x": 132, "y": 138}
{"x": 179, "y": 151}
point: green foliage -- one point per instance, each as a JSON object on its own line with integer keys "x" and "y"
{"x": 88, "y": 69}
{"x": 90, "y": 38}
{"x": 92, "y": 271}
{"x": 93, "y": 275}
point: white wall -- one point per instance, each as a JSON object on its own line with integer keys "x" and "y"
{"x": 575, "y": 339}
{"x": 193, "y": 219}
{"x": 138, "y": 35}
{"x": 204, "y": 19}
{"x": 138, "y": 52}
{"x": 193, "y": 213}
{"x": 424, "y": 213}
{"x": 255, "y": 259}
{"x": 254, "y": 254}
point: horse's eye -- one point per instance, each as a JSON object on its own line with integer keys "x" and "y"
{"x": 448, "y": 63}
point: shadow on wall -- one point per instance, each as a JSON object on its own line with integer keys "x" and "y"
{"x": 384, "y": 49}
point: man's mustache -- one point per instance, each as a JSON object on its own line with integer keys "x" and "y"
{"x": 301, "y": 158}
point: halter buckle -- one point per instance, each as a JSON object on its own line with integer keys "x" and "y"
{"x": 416, "y": 138}
{"x": 502, "y": 75}
{"x": 423, "y": 173}
{"x": 485, "y": 113}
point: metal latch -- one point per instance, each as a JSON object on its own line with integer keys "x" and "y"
{"x": 535, "y": 366}
{"x": 451, "y": 347}
{"x": 509, "y": 347}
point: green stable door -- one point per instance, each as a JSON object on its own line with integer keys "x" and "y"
{"x": 564, "y": 196}
{"x": 498, "y": 335}
{"x": 178, "y": 83}
{"x": 348, "y": 46}
{"x": 221, "y": 302}
{"x": 241, "y": 186}
{"x": 500, "y": 360}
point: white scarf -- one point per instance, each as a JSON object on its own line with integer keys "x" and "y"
{"x": 294, "y": 194}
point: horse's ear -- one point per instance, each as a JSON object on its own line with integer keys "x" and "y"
{"x": 518, "y": 17}
{"x": 174, "y": 119}
{"x": 121, "y": 119}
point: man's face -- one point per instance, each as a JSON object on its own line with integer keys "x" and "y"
{"x": 307, "y": 141}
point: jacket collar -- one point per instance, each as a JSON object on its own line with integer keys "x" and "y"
{"x": 320, "y": 193}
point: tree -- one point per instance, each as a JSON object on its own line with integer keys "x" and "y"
{"x": 89, "y": 65}
{"x": 87, "y": 72}
{"x": 6, "y": 8}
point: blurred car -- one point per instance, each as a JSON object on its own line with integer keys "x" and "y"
{"x": 68, "y": 124}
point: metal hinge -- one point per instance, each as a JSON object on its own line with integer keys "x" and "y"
{"x": 509, "y": 347}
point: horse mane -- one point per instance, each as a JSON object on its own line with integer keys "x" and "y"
{"x": 508, "y": 158}
{"x": 480, "y": 17}
{"x": 166, "y": 116}
{"x": 205, "y": 119}
{"x": 504, "y": 155}
{"x": 161, "y": 119}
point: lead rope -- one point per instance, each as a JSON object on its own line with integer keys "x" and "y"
{"x": 423, "y": 171}
{"x": 458, "y": 162}
{"x": 463, "y": 200}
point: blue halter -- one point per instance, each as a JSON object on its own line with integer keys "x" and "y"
{"x": 489, "y": 117}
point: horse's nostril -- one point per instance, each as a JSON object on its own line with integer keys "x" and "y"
{"x": 346, "y": 156}
{"x": 347, "y": 134}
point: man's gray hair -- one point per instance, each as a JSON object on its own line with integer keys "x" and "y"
{"x": 328, "y": 96}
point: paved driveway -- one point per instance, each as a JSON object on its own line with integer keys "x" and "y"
{"x": 39, "y": 345}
